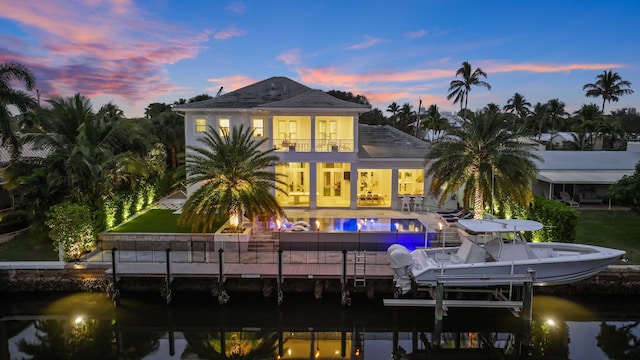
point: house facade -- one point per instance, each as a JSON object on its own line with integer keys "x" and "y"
{"x": 328, "y": 160}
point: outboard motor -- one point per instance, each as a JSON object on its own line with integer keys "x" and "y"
{"x": 401, "y": 262}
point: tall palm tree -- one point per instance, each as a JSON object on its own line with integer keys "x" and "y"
{"x": 459, "y": 89}
{"x": 518, "y": 106}
{"x": 609, "y": 85}
{"x": 235, "y": 175}
{"x": 9, "y": 96}
{"x": 482, "y": 156}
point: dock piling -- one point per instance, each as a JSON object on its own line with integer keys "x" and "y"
{"x": 223, "y": 297}
{"x": 115, "y": 292}
{"x": 167, "y": 292}
{"x": 280, "y": 293}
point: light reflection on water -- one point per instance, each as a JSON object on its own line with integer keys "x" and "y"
{"x": 82, "y": 326}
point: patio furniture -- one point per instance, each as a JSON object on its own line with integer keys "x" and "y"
{"x": 405, "y": 202}
{"x": 417, "y": 202}
{"x": 567, "y": 199}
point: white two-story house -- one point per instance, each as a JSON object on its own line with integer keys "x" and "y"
{"x": 330, "y": 161}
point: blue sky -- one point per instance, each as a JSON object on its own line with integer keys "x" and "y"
{"x": 137, "y": 52}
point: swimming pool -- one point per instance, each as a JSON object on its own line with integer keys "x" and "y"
{"x": 331, "y": 234}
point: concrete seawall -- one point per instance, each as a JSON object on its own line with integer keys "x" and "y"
{"x": 74, "y": 277}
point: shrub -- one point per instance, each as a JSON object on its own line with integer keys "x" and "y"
{"x": 72, "y": 228}
{"x": 560, "y": 220}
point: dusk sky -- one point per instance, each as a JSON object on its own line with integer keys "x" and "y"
{"x": 134, "y": 53}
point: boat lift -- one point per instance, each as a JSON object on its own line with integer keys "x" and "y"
{"x": 481, "y": 284}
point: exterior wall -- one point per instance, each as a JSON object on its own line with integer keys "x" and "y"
{"x": 315, "y": 144}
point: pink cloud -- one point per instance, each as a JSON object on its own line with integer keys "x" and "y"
{"x": 495, "y": 67}
{"x": 415, "y": 34}
{"x": 229, "y": 33}
{"x": 122, "y": 56}
{"x": 291, "y": 57}
{"x": 367, "y": 43}
{"x": 230, "y": 83}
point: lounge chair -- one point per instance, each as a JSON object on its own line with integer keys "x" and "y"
{"x": 567, "y": 199}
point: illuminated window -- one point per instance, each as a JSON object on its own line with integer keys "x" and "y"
{"x": 223, "y": 125}
{"x": 201, "y": 125}
{"x": 258, "y": 127}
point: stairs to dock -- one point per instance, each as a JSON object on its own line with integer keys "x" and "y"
{"x": 262, "y": 240}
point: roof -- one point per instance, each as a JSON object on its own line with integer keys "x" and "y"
{"x": 586, "y": 167}
{"x": 314, "y": 99}
{"x": 29, "y": 151}
{"x": 382, "y": 141}
{"x": 499, "y": 225}
{"x": 588, "y": 160}
{"x": 594, "y": 177}
{"x": 274, "y": 93}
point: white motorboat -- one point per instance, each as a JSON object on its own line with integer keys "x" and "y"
{"x": 497, "y": 248}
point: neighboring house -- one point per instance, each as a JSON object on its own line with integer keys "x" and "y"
{"x": 585, "y": 175}
{"x": 329, "y": 160}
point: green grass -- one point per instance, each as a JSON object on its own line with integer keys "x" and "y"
{"x": 614, "y": 229}
{"x": 29, "y": 246}
{"x": 153, "y": 221}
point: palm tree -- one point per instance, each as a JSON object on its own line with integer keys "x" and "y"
{"x": 393, "y": 108}
{"x": 518, "y": 106}
{"x": 459, "y": 89}
{"x": 482, "y": 152}
{"x": 609, "y": 86}
{"x": 434, "y": 122}
{"x": 235, "y": 176}
{"x": 405, "y": 117}
{"x": 587, "y": 119}
{"x": 555, "y": 113}
{"x": 11, "y": 97}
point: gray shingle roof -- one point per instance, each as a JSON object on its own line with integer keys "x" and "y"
{"x": 274, "y": 93}
{"x": 386, "y": 142}
{"x": 313, "y": 99}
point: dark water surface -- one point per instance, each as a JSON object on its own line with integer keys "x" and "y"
{"x": 87, "y": 326}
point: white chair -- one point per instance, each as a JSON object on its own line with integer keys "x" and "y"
{"x": 405, "y": 201}
{"x": 417, "y": 202}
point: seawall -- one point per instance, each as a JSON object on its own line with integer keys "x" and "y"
{"x": 616, "y": 279}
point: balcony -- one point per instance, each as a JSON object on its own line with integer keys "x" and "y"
{"x": 304, "y": 145}
{"x": 334, "y": 145}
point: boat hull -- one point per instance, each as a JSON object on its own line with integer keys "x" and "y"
{"x": 570, "y": 263}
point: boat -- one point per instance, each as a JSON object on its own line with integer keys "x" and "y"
{"x": 497, "y": 249}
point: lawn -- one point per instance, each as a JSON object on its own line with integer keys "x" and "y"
{"x": 154, "y": 221}
{"x": 29, "y": 246}
{"x": 615, "y": 229}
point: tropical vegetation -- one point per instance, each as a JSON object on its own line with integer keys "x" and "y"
{"x": 24, "y": 102}
{"x": 609, "y": 86}
{"x": 459, "y": 89}
{"x": 487, "y": 159}
{"x": 235, "y": 179}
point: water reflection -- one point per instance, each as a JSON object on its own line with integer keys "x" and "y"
{"x": 86, "y": 326}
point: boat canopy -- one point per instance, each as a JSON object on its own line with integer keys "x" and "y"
{"x": 499, "y": 225}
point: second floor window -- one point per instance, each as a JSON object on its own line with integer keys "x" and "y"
{"x": 201, "y": 125}
{"x": 258, "y": 127}
{"x": 223, "y": 126}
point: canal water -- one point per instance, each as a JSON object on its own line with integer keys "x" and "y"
{"x": 194, "y": 326}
